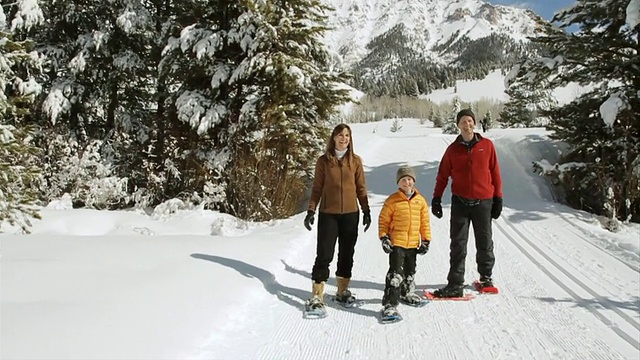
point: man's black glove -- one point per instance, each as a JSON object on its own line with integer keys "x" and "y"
{"x": 366, "y": 220}
{"x": 424, "y": 247}
{"x": 308, "y": 220}
{"x": 496, "y": 208}
{"x": 387, "y": 247}
{"x": 436, "y": 207}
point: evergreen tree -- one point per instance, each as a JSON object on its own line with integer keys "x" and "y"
{"x": 451, "y": 127}
{"x": 527, "y": 104}
{"x": 601, "y": 127}
{"x": 517, "y": 109}
{"x": 293, "y": 97}
{"x": 255, "y": 95}
{"x": 19, "y": 66}
{"x": 97, "y": 98}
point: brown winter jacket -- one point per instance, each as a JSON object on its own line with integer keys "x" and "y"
{"x": 339, "y": 186}
{"x": 405, "y": 220}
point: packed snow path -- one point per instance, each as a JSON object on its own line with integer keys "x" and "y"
{"x": 563, "y": 295}
{"x": 120, "y": 285}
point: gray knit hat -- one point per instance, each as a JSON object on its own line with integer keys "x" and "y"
{"x": 403, "y": 171}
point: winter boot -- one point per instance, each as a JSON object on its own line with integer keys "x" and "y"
{"x": 408, "y": 288}
{"x": 390, "y": 310}
{"x": 485, "y": 281}
{"x": 317, "y": 296}
{"x": 449, "y": 291}
{"x": 411, "y": 299}
{"x": 343, "y": 294}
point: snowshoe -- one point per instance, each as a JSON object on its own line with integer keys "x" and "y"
{"x": 485, "y": 286}
{"x": 314, "y": 308}
{"x": 348, "y": 300}
{"x": 389, "y": 314}
{"x": 438, "y": 296}
{"x": 413, "y": 299}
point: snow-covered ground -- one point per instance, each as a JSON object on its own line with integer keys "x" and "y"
{"x": 197, "y": 284}
{"x": 492, "y": 88}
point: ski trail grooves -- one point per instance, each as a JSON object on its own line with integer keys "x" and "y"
{"x": 629, "y": 259}
{"x": 546, "y": 150}
{"x": 564, "y": 337}
{"x": 631, "y": 339}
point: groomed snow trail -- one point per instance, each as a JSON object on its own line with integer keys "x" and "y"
{"x": 564, "y": 294}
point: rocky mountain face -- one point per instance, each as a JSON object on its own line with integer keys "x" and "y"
{"x": 408, "y": 47}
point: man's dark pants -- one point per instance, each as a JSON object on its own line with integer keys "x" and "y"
{"x": 478, "y": 214}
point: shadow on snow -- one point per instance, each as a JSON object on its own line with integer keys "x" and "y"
{"x": 290, "y": 296}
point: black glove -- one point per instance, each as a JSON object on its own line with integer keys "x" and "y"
{"x": 308, "y": 220}
{"x": 387, "y": 247}
{"x": 424, "y": 247}
{"x": 436, "y": 207}
{"x": 366, "y": 220}
{"x": 496, "y": 208}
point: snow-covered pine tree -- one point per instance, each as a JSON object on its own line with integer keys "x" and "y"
{"x": 602, "y": 127}
{"x": 200, "y": 63}
{"x": 19, "y": 66}
{"x": 292, "y": 95}
{"x": 258, "y": 93}
{"x": 516, "y": 111}
{"x": 527, "y": 103}
{"x": 451, "y": 126}
{"x": 97, "y": 97}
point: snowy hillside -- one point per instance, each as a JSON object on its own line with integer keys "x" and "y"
{"x": 430, "y": 22}
{"x": 199, "y": 285}
{"x": 492, "y": 87}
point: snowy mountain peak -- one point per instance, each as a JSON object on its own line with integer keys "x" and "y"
{"x": 431, "y": 23}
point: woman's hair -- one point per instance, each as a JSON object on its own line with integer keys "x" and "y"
{"x": 331, "y": 145}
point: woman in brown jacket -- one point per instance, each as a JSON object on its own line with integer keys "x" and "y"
{"x": 338, "y": 185}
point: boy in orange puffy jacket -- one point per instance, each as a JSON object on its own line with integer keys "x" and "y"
{"x": 405, "y": 231}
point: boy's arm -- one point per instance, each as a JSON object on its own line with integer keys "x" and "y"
{"x": 384, "y": 219}
{"x": 425, "y": 221}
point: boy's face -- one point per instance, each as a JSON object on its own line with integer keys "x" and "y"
{"x": 406, "y": 183}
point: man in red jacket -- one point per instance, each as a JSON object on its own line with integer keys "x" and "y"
{"x": 476, "y": 187}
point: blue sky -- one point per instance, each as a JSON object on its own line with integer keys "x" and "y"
{"x": 545, "y": 8}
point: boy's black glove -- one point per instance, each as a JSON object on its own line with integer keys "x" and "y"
{"x": 423, "y": 248}
{"x": 436, "y": 207}
{"x": 496, "y": 208}
{"x": 387, "y": 247}
{"x": 366, "y": 220}
{"x": 308, "y": 220}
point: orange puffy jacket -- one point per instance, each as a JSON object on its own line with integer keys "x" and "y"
{"x": 405, "y": 220}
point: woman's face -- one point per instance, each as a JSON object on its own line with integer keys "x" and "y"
{"x": 342, "y": 139}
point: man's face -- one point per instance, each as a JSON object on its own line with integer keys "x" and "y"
{"x": 466, "y": 124}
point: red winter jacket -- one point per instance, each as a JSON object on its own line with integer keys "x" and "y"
{"x": 475, "y": 173}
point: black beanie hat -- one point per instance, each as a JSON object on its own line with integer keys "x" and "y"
{"x": 465, "y": 112}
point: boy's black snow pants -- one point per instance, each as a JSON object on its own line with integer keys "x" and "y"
{"x": 332, "y": 227}
{"x": 399, "y": 279}
{"x": 478, "y": 213}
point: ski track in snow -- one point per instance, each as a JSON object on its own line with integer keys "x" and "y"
{"x": 577, "y": 286}
{"x": 562, "y": 300}
{"x": 546, "y": 150}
